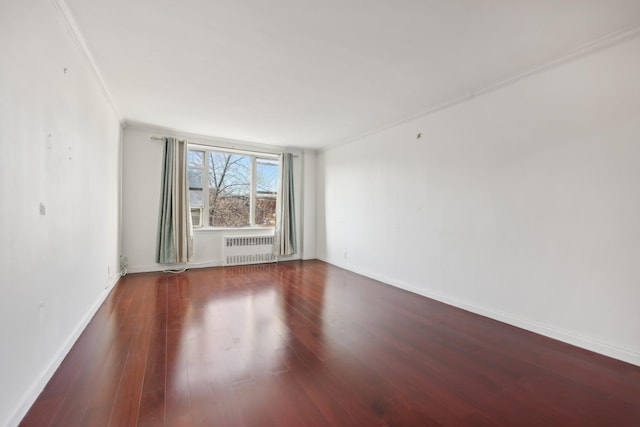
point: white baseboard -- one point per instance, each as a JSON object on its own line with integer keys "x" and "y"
{"x": 36, "y": 388}
{"x": 154, "y": 268}
{"x": 206, "y": 264}
{"x": 218, "y": 263}
{"x": 144, "y": 268}
{"x": 559, "y": 334}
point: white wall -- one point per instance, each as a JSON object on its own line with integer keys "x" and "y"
{"x": 309, "y": 205}
{"x": 60, "y": 148}
{"x": 142, "y": 169}
{"x": 522, "y": 204}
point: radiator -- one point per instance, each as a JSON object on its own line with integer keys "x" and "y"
{"x": 247, "y": 250}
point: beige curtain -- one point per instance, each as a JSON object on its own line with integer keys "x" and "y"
{"x": 175, "y": 232}
{"x": 284, "y": 239}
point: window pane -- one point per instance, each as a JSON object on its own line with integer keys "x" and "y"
{"x": 196, "y": 217}
{"x": 195, "y": 198}
{"x": 267, "y": 176}
{"x": 266, "y": 190}
{"x": 195, "y": 158}
{"x": 195, "y": 179}
{"x": 229, "y": 186}
{"x": 265, "y": 211}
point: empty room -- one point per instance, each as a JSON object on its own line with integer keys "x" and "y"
{"x": 344, "y": 213}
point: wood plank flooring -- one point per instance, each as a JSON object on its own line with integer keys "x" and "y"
{"x": 310, "y": 344}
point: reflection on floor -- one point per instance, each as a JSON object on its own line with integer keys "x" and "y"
{"x": 305, "y": 344}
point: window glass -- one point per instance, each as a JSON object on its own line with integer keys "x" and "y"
{"x": 195, "y": 179}
{"x": 195, "y": 158}
{"x": 235, "y": 190}
{"x": 196, "y": 217}
{"x": 195, "y": 198}
{"x": 266, "y": 191}
{"x": 229, "y": 190}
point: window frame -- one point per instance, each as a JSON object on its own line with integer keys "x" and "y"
{"x": 205, "y": 208}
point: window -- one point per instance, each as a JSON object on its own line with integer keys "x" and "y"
{"x": 232, "y": 190}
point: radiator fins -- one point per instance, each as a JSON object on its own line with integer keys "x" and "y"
{"x": 245, "y": 250}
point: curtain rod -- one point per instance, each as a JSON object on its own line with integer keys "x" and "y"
{"x": 162, "y": 138}
{"x": 239, "y": 151}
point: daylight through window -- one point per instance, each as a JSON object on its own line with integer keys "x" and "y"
{"x": 232, "y": 190}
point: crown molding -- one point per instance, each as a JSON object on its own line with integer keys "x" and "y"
{"x": 209, "y": 139}
{"x": 584, "y": 50}
{"x": 62, "y": 8}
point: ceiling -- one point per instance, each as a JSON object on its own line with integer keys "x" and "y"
{"x": 315, "y": 74}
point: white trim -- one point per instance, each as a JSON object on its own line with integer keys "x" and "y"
{"x": 253, "y": 188}
{"x": 226, "y": 143}
{"x": 143, "y": 269}
{"x": 549, "y": 331}
{"x": 241, "y": 229}
{"x": 206, "y": 178}
{"x": 604, "y": 42}
{"x": 36, "y": 388}
{"x": 300, "y": 225}
{"x": 196, "y": 208}
{"x": 149, "y": 268}
{"x": 208, "y": 264}
{"x": 78, "y": 38}
{"x": 158, "y": 268}
{"x": 216, "y": 149}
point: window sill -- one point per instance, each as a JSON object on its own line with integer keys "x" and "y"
{"x": 240, "y": 229}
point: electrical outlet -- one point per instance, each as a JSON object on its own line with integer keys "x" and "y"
{"x": 109, "y": 270}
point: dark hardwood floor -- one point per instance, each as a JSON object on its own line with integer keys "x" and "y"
{"x": 309, "y": 344}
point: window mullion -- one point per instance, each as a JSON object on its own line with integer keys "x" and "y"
{"x": 252, "y": 193}
{"x": 205, "y": 190}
